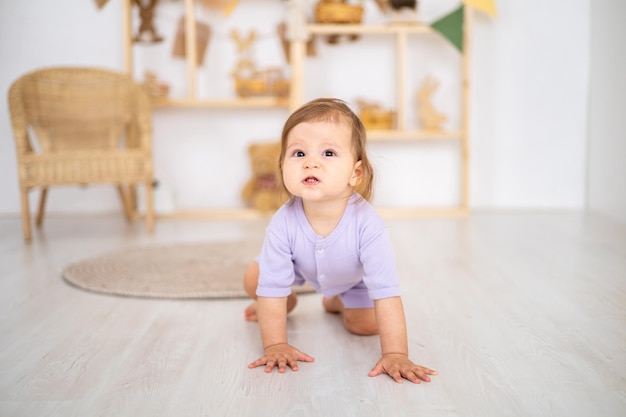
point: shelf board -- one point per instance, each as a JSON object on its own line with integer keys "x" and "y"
{"x": 411, "y": 212}
{"x": 221, "y": 214}
{"x": 234, "y": 103}
{"x": 252, "y": 214}
{"x": 391, "y": 28}
{"x": 388, "y": 135}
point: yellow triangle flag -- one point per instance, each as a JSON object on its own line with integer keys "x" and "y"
{"x": 487, "y": 6}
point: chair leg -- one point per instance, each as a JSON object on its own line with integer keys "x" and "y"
{"x": 132, "y": 199}
{"x": 42, "y": 206}
{"x": 124, "y": 196}
{"x": 150, "y": 206}
{"x": 25, "y": 214}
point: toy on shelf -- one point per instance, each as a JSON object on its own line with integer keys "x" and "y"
{"x": 374, "y": 116}
{"x": 429, "y": 117}
{"x": 101, "y": 3}
{"x": 263, "y": 82}
{"x": 264, "y": 191}
{"x": 296, "y": 20}
{"x": 281, "y": 29}
{"x": 403, "y": 11}
{"x": 203, "y": 35}
{"x": 383, "y": 5}
{"x": 253, "y": 81}
{"x": 403, "y": 4}
{"x": 400, "y": 11}
{"x": 338, "y": 12}
{"x": 147, "y": 32}
{"x": 158, "y": 90}
{"x": 294, "y": 28}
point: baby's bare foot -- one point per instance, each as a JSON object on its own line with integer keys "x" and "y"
{"x": 250, "y": 312}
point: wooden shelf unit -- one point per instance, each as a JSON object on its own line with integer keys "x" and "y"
{"x": 255, "y": 102}
{"x": 400, "y": 31}
{"x": 387, "y": 135}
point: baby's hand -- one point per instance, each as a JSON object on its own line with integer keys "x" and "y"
{"x": 281, "y": 356}
{"x": 398, "y": 366}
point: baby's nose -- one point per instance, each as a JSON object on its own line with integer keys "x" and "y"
{"x": 311, "y": 162}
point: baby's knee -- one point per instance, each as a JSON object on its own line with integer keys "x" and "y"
{"x": 251, "y": 279}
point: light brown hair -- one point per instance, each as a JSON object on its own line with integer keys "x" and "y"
{"x": 334, "y": 110}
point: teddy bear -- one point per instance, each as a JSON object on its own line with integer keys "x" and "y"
{"x": 264, "y": 191}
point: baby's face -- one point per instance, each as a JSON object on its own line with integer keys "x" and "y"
{"x": 319, "y": 162}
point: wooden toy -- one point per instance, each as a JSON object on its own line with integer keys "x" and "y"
{"x": 101, "y": 3}
{"x": 401, "y": 4}
{"x": 338, "y": 12}
{"x": 294, "y": 28}
{"x": 383, "y": 5}
{"x": 251, "y": 81}
{"x": 263, "y": 82}
{"x": 244, "y": 45}
{"x": 147, "y": 32}
{"x": 374, "y": 116}
{"x": 429, "y": 117}
{"x": 297, "y": 19}
{"x": 281, "y": 29}
{"x": 203, "y": 35}
{"x": 399, "y": 11}
{"x": 157, "y": 90}
{"x": 403, "y": 11}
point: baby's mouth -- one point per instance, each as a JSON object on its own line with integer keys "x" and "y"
{"x": 311, "y": 180}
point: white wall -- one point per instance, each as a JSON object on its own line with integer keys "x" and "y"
{"x": 607, "y": 125}
{"x": 529, "y": 102}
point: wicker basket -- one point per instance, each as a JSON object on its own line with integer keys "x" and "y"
{"x": 326, "y": 12}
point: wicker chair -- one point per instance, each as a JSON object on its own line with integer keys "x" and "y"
{"x": 79, "y": 126}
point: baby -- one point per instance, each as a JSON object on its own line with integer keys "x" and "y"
{"x": 328, "y": 235}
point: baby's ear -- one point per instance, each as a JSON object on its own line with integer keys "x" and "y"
{"x": 357, "y": 174}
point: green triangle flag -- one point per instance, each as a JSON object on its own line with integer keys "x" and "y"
{"x": 451, "y": 27}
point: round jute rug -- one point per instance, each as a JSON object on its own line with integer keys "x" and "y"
{"x": 193, "y": 270}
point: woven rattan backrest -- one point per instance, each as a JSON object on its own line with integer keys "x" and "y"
{"x": 77, "y": 108}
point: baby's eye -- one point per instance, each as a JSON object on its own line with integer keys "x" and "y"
{"x": 329, "y": 153}
{"x": 298, "y": 154}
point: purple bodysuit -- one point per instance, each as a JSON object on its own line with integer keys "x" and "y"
{"x": 356, "y": 261}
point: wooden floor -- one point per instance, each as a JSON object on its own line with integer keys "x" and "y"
{"x": 522, "y": 314}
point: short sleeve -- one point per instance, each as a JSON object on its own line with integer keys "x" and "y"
{"x": 377, "y": 255}
{"x": 276, "y": 260}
